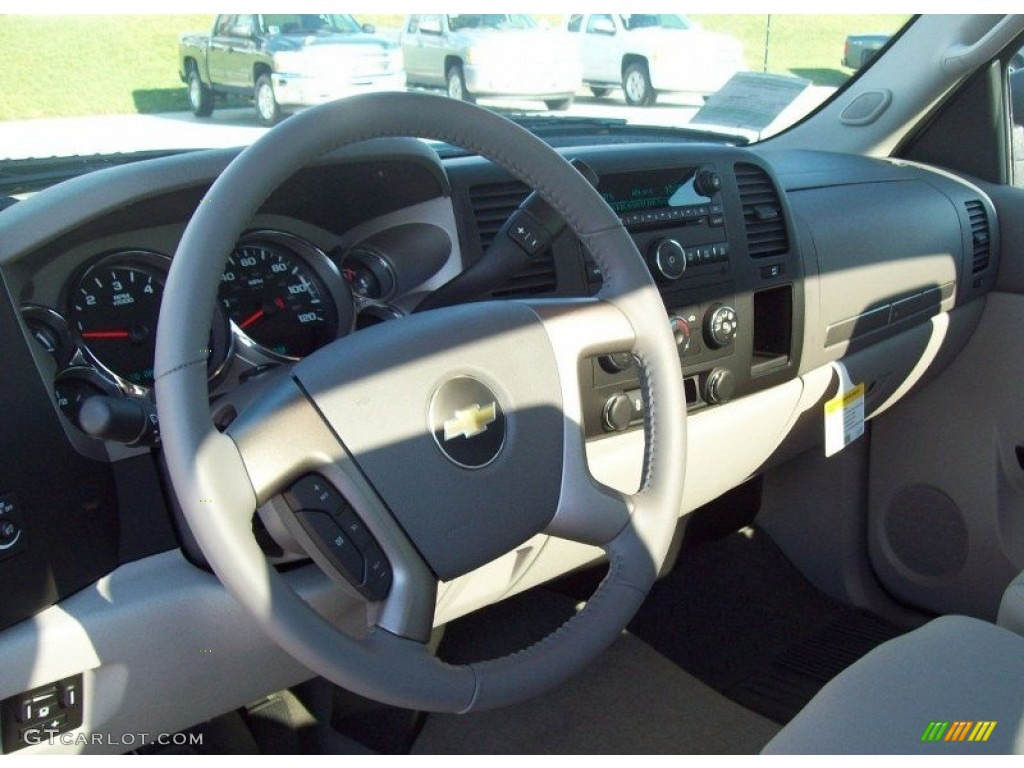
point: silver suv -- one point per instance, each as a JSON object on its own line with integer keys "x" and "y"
{"x": 481, "y": 54}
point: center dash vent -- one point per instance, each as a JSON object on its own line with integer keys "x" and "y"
{"x": 492, "y": 205}
{"x": 981, "y": 247}
{"x": 762, "y": 212}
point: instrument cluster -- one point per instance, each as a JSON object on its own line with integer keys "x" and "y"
{"x": 280, "y": 298}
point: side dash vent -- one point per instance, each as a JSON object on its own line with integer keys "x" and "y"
{"x": 981, "y": 253}
{"x": 492, "y": 205}
{"x": 762, "y": 212}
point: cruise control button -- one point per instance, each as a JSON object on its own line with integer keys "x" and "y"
{"x": 526, "y": 233}
{"x": 335, "y": 543}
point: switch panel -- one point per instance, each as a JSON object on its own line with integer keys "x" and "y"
{"x": 40, "y": 715}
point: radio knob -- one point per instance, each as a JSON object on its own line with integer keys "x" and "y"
{"x": 719, "y": 386}
{"x": 618, "y": 413}
{"x": 707, "y": 183}
{"x": 668, "y": 259}
{"x": 681, "y": 332}
{"x": 720, "y": 326}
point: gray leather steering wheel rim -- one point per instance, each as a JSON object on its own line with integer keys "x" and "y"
{"x": 215, "y": 489}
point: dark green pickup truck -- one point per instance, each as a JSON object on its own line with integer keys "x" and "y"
{"x": 287, "y": 60}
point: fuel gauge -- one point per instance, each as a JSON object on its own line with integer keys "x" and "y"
{"x": 50, "y": 331}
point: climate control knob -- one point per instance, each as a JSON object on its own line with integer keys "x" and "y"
{"x": 720, "y": 326}
{"x": 680, "y": 331}
{"x": 667, "y": 259}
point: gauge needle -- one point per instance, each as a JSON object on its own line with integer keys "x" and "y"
{"x": 252, "y": 318}
{"x": 278, "y": 302}
{"x": 104, "y": 334}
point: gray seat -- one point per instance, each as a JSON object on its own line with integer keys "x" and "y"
{"x": 952, "y": 670}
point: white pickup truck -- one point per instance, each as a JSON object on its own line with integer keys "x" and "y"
{"x": 645, "y": 53}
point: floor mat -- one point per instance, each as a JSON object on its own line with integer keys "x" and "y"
{"x": 738, "y": 615}
{"x": 631, "y": 700}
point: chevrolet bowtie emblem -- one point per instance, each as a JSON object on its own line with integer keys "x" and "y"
{"x": 470, "y": 422}
{"x": 467, "y": 421}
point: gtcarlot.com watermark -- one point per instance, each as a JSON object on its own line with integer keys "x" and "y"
{"x": 127, "y": 741}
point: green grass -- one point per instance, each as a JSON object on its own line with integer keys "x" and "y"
{"x": 805, "y": 46}
{"x": 82, "y": 65}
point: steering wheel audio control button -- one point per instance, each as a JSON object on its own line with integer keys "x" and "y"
{"x": 353, "y": 526}
{"x": 340, "y": 535}
{"x": 378, "y": 573}
{"x": 313, "y": 492}
{"x": 335, "y": 543}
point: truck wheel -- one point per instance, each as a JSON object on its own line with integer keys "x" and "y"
{"x": 559, "y": 105}
{"x": 200, "y": 98}
{"x": 636, "y": 85}
{"x": 600, "y": 91}
{"x": 456, "y": 81}
{"x": 268, "y": 111}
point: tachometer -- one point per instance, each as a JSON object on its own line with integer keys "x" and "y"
{"x": 113, "y": 312}
{"x": 275, "y": 289}
{"x": 113, "y": 309}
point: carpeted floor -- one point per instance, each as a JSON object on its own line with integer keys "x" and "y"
{"x": 728, "y": 646}
{"x": 738, "y": 615}
{"x": 632, "y": 700}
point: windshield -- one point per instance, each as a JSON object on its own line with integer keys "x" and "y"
{"x": 110, "y": 84}
{"x": 308, "y": 23}
{"x": 490, "y": 21}
{"x": 659, "y": 20}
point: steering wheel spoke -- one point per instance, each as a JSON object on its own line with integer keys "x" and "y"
{"x": 315, "y": 501}
{"x": 579, "y": 329}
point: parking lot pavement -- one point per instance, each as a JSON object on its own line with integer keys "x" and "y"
{"x": 104, "y": 134}
{"x": 236, "y": 127}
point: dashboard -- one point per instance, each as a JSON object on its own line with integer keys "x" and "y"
{"x": 771, "y": 267}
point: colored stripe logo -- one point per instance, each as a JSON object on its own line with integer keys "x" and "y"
{"x": 958, "y": 730}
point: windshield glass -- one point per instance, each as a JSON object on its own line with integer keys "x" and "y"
{"x": 659, "y": 20}
{"x": 109, "y": 84}
{"x": 490, "y": 21}
{"x": 308, "y": 23}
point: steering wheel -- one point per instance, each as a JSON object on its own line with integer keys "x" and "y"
{"x": 453, "y": 435}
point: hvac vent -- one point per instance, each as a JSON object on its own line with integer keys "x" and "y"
{"x": 492, "y": 205}
{"x": 762, "y": 212}
{"x": 979, "y": 236}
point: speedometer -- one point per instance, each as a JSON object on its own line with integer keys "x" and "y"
{"x": 274, "y": 290}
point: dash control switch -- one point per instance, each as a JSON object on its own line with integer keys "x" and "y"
{"x": 39, "y": 715}
{"x": 13, "y": 538}
{"x": 340, "y": 537}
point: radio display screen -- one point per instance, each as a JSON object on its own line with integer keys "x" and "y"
{"x": 662, "y": 188}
